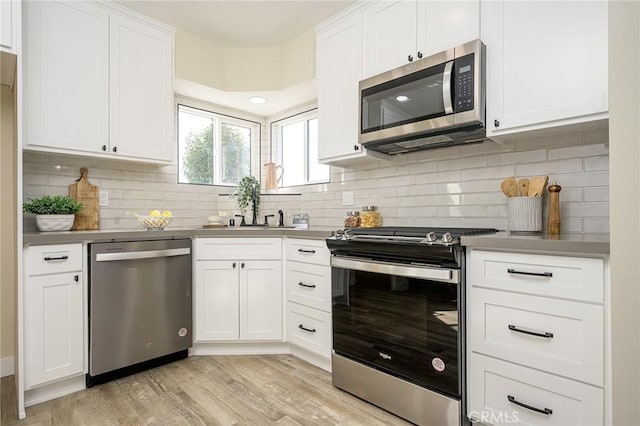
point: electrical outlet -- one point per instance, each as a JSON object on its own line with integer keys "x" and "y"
{"x": 347, "y": 198}
{"x": 103, "y": 198}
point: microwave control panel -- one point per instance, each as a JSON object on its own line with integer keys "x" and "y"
{"x": 463, "y": 86}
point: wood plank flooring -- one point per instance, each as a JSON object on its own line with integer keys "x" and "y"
{"x": 214, "y": 390}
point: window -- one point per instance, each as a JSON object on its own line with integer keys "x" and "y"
{"x": 214, "y": 149}
{"x": 295, "y": 146}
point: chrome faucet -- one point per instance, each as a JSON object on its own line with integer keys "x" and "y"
{"x": 280, "y": 218}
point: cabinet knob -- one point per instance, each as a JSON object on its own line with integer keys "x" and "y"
{"x": 419, "y": 55}
{"x": 76, "y": 278}
{"x": 242, "y": 265}
{"x": 114, "y": 149}
{"x": 356, "y": 148}
{"x": 410, "y": 58}
{"x": 496, "y": 123}
{"x": 104, "y": 147}
{"x": 233, "y": 265}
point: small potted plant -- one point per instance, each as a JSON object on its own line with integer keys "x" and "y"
{"x": 53, "y": 213}
{"x": 247, "y": 193}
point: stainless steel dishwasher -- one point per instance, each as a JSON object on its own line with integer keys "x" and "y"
{"x": 139, "y": 306}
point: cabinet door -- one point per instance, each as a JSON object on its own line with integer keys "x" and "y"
{"x": 67, "y": 75}
{"x": 446, "y": 24}
{"x": 141, "y": 67}
{"x": 546, "y": 62}
{"x": 7, "y": 30}
{"x": 260, "y": 300}
{"x": 54, "y": 339}
{"x": 339, "y": 54}
{"x": 217, "y": 300}
{"x": 389, "y": 35}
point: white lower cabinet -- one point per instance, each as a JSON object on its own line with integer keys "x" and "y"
{"x": 238, "y": 299}
{"x": 536, "y": 350}
{"x": 308, "y": 282}
{"x": 53, "y": 314}
{"x": 502, "y": 393}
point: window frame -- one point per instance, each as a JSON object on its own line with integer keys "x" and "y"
{"x": 276, "y": 139}
{"x": 218, "y": 119}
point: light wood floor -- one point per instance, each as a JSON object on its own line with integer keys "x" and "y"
{"x": 215, "y": 390}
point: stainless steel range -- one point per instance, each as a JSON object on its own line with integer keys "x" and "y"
{"x": 398, "y": 319}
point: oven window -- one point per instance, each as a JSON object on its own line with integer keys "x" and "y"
{"x": 403, "y": 326}
{"x": 414, "y": 97}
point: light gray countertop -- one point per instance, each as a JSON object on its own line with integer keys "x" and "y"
{"x": 578, "y": 244}
{"x": 39, "y": 238}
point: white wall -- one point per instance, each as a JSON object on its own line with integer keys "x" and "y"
{"x": 244, "y": 68}
{"x": 624, "y": 111}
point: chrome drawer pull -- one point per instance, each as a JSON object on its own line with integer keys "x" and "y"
{"x": 545, "y": 411}
{"x": 535, "y": 274}
{"x": 545, "y": 334}
{"x": 310, "y": 330}
{"x": 48, "y": 258}
{"x": 306, "y": 251}
{"x": 301, "y": 284}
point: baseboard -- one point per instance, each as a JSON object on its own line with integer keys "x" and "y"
{"x": 6, "y": 366}
{"x": 259, "y": 348}
{"x": 54, "y": 390}
{"x": 311, "y": 357}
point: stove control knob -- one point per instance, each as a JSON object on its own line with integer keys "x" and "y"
{"x": 447, "y": 238}
{"x": 347, "y": 234}
{"x": 339, "y": 233}
{"x": 431, "y": 237}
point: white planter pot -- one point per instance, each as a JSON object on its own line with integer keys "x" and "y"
{"x": 54, "y": 222}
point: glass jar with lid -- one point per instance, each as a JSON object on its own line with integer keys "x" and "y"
{"x": 352, "y": 219}
{"x": 370, "y": 217}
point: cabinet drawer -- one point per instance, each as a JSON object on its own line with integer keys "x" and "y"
{"x": 496, "y": 387}
{"x": 309, "y": 285}
{"x": 238, "y": 248}
{"x": 308, "y": 251}
{"x": 554, "y": 276}
{"x": 568, "y": 339}
{"x": 54, "y": 259}
{"x": 309, "y": 328}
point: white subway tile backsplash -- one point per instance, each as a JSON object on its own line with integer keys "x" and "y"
{"x": 459, "y": 186}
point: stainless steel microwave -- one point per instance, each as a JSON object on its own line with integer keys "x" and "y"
{"x": 434, "y": 102}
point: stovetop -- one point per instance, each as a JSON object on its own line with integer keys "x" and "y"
{"x": 430, "y": 245}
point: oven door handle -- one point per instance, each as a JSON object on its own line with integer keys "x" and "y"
{"x": 423, "y": 272}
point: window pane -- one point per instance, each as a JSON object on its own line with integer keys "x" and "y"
{"x": 317, "y": 172}
{"x": 293, "y": 153}
{"x": 195, "y": 142}
{"x": 235, "y": 153}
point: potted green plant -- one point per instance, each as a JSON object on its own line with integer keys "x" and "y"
{"x": 247, "y": 193}
{"x": 53, "y": 212}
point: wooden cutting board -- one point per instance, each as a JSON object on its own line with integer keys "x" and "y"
{"x": 86, "y": 193}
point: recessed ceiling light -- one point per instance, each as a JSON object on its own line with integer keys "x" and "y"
{"x": 257, "y": 100}
{"x": 402, "y": 98}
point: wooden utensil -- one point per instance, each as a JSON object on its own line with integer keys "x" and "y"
{"x": 523, "y": 187}
{"x": 512, "y": 186}
{"x": 537, "y": 186}
{"x": 87, "y": 194}
{"x": 504, "y": 186}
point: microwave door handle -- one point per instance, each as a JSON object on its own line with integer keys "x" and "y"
{"x": 447, "y": 88}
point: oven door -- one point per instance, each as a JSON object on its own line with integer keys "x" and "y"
{"x": 399, "y": 319}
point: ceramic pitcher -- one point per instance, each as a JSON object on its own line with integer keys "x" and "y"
{"x": 273, "y": 179}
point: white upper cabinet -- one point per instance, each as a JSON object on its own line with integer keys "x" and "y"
{"x": 9, "y": 25}
{"x": 546, "y": 63}
{"x": 141, "y": 64}
{"x": 67, "y": 75}
{"x": 390, "y": 35}
{"x": 339, "y": 53}
{"x": 399, "y": 32}
{"x": 98, "y": 82}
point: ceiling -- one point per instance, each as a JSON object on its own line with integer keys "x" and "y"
{"x": 241, "y": 23}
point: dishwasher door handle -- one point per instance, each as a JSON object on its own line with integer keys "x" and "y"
{"x": 108, "y": 257}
